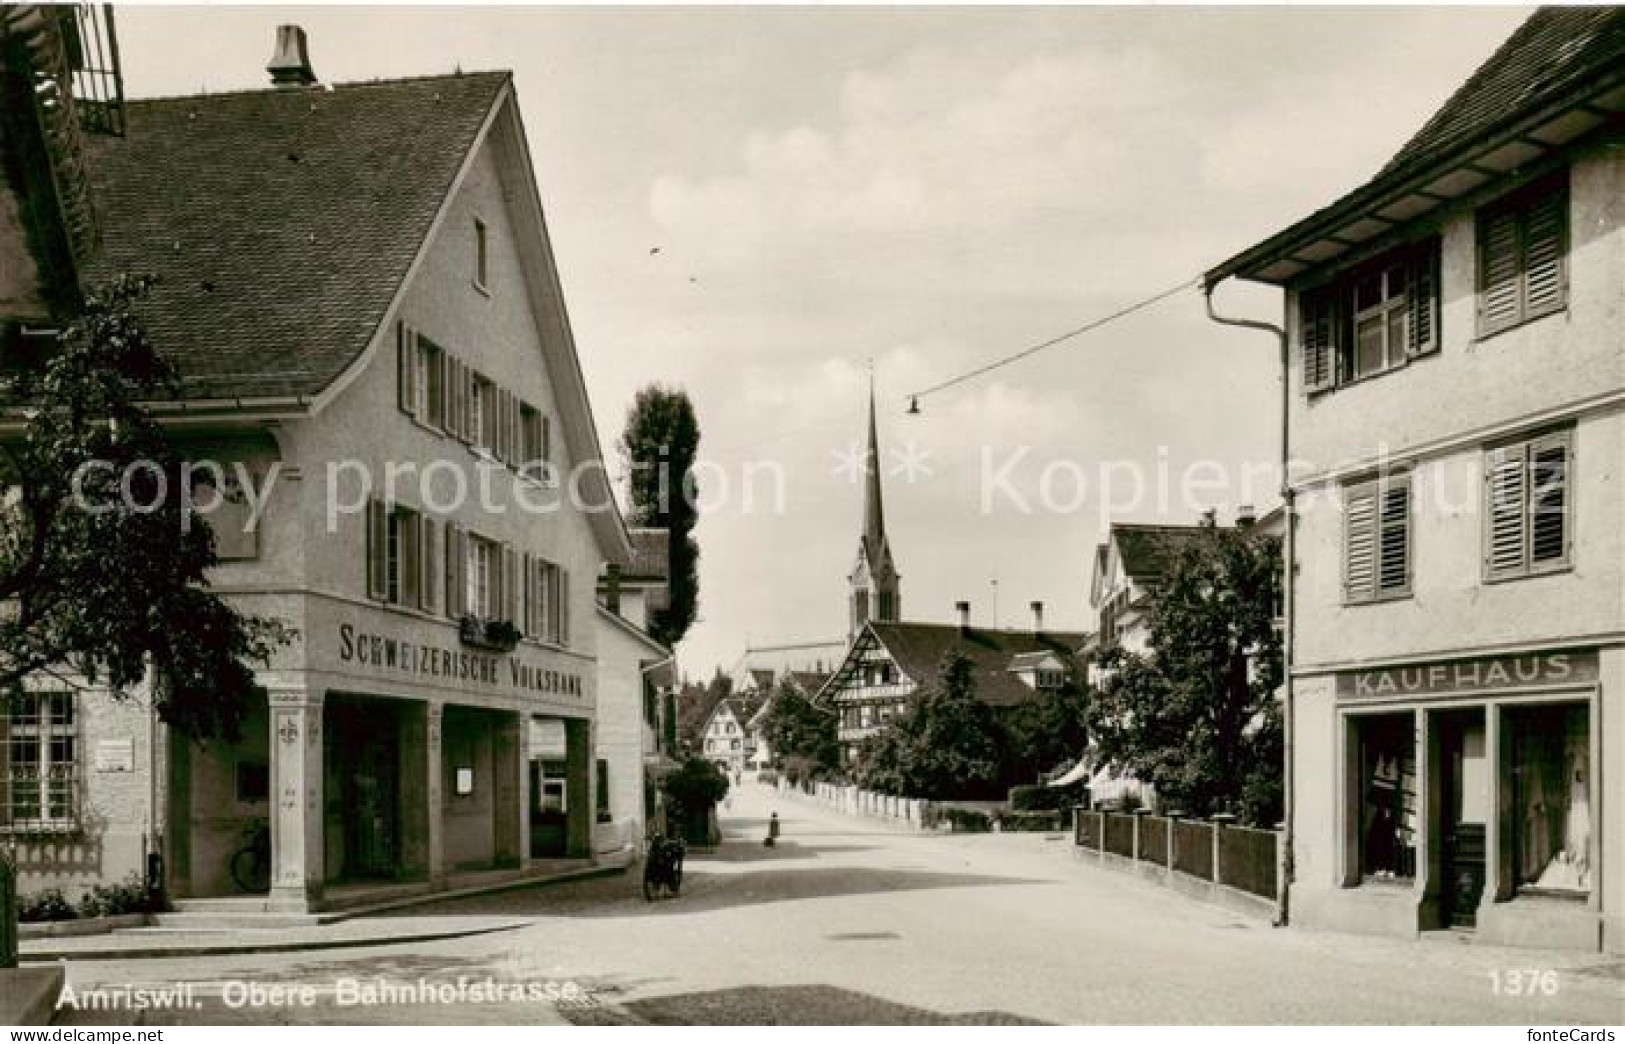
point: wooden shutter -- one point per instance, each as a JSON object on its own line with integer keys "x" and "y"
{"x": 1545, "y": 275}
{"x": 507, "y": 602}
{"x": 410, "y": 555}
{"x": 1549, "y": 529}
{"x": 1506, "y": 494}
{"x": 456, "y": 590}
{"x": 1316, "y": 337}
{"x": 406, "y": 370}
{"x": 1394, "y": 539}
{"x": 1360, "y": 544}
{"x": 454, "y": 404}
{"x": 428, "y": 564}
{"x": 1498, "y": 292}
{"x": 1424, "y": 301}
{"x": 377, "y": 550}
{"x": 564, "y": 607}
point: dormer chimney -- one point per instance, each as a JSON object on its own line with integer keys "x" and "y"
{"x": 1245, "y": 516}
{"x": 290, "y": 64}
{"x": 963, "y": 609}
{"x": 1038, "y": 617}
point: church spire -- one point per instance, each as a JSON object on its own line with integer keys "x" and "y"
{"x": 874, "y": 512}
{"x": 874, "y": 587}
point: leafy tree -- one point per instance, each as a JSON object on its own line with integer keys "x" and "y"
{"x": 101, "y": 560}
{"x": 1050, "y": 731}
{"x": 691, "y": 793}
{"x": 949, "y": 744}
{"x": 1197, "y": 716}
{"x": 658, "y": 449}
{"x": 801, "y": 735}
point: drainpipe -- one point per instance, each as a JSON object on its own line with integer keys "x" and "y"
{"x": 1288, "y": 576}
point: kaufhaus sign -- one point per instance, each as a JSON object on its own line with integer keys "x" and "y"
{"x": 1470, "y": 677}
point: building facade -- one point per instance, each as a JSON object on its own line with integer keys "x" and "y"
{"x": 357, "y": 284}
{"x": 727, "y": 741}
{"x": 1457, "y": 415}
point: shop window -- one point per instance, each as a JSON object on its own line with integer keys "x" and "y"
{"x": 1387, "y": 796}
{"x": 1552, "y": 798}
{"x": 40, "y": 773}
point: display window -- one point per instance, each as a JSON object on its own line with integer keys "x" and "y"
{"x": 1552, "y": 798}
{"x": 1387, "y": 781}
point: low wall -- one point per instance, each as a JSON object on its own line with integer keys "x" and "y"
{"x": 1212, "y": 860}
{"x": 909, "y": 812}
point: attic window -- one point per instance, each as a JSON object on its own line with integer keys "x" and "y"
{"x": 481, "y": 257}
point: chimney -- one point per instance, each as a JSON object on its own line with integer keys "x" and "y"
{"x": 612, "y": 588}
{"x": 290, "y": 65}
{"x": 1038, "y": 617}
{"x": 1245, "y": 516}
{"x": 963, "y": 609}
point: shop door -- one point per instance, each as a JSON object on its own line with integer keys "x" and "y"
{"x": 549, "y": 810}
{"x": 1466, "y": 782}
{"x": 371, "y": 800}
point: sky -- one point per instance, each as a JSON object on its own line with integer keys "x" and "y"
{"x": 766, "y": 206}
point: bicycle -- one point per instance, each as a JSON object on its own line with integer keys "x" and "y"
{"x": 663, "y": 868}
{"x": 251, "y": 864}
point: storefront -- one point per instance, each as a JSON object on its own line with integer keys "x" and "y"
{"x": 1469, "y": 799}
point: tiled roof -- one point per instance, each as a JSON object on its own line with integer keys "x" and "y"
{"x": 651, "y": 554}
{"x": 281, "y": 222}
{"x": 1149, "y": 551}
{"x": 1556, "y": 49}
{"x": 918, "y": 650}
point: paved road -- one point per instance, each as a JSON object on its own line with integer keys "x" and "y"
{"x": 850, "y": 921}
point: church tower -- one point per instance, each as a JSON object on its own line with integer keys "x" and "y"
{"x": 874, "y": 588}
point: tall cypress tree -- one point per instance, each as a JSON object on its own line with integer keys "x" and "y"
{"x": 658, "y": 449}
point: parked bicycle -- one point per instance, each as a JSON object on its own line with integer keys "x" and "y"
{"x": 663, "y": 867}
{"x": 251, "y": 864}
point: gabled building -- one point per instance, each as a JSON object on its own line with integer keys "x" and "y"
{"x": 890, "y": 662}
{"x": 1455, "y": 398}
{"x": 725, "y": 739}
{"x": 357, "y": 285}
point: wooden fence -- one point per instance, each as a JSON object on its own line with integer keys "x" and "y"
{"x": 1217, "y": 852}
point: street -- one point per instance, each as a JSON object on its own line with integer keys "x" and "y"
{"x": 850, "y": 921}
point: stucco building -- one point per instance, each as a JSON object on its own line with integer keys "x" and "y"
{"x": 1456, "y": 410}
{"x": 357, "y": 284}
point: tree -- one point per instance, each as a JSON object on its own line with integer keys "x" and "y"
{"x": 658, "y": 449}
{"x": 691, "y": 793}
{"x": 695, "y": 704}
{"x": 1197, "y": 715}
{"x": 801, "y": 735}
{"x": 102, "y": 561}
{"x": 949, "y": 744}
{"x": 1050, "y": 731}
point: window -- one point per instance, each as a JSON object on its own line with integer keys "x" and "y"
{"x": 534, "y": 436}
{"x": 482, "y": 577}
{"x": 482, "y": 259}
{"x": 1377, "y": 539}
{"x": 888, "y": 606}
{"x": 479, "y": 393}
{"x": 1527, "y": 508}
{"x": 431, "y": 383}
{"x": 1523, "y": 256}
{"x": 1373, "y": 319}
{"x": 545, "y": 601}
{"x": 401, "y": 556}
{"x": 1387, "y": 796}
{"x": 1551, "y": 799}
{"x": 40, "y": 747}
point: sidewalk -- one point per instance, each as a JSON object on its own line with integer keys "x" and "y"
{"x": 353, "y": 928}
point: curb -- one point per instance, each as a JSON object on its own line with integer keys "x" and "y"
{"x": 296, "y": 945}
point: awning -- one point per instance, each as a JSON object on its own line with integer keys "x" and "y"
{"x": 1077, "y": 772}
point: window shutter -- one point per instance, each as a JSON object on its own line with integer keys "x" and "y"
{"x": 1315, "y": 334}
{"x": 547, "y": 444}
{"x": 456, "y": 595}
{"x": 1498, "y": 296}
{"x": 1360, "y": 544}
{"x": 410, "y": 558}
{"x": 507, "y": 604}
{"x": 1549, "y": 501}
{"x": 406, "y": 369}
{"x": 564, "y": 607}
{"x": 1545, "y": 273}
{"x": 1394, "y": 558}
{"x": 454, "y": 400}
{"x": 1504, "y": 513}
{"x": 1424, "y": 301}
{"x": 377, "y": 550}
{"x": 428, "y": 564}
